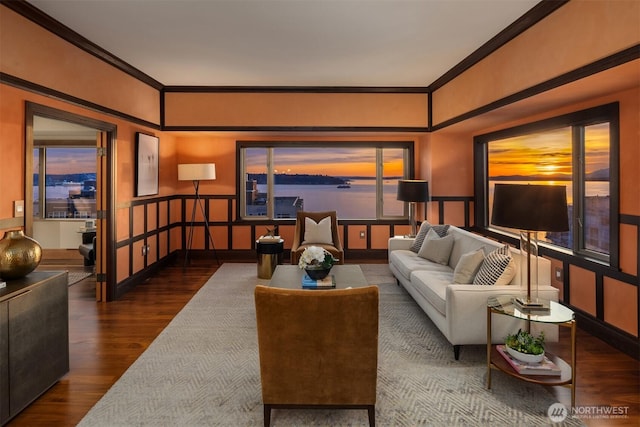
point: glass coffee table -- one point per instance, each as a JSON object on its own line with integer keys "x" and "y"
{"x": 290, "y": 277}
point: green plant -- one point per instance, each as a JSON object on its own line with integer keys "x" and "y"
{"x": 524, "y": 342}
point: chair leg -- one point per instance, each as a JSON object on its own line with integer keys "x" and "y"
{"x": 372, "y": 415}
{"x": 456, "y": 351}
{"x": 267, "y": 415}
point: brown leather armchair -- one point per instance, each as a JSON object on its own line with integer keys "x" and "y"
{"x": 297, "y": 246}
{"x": 318, "y": 349}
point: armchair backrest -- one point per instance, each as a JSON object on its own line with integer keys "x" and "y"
{"x": 317, "y": 217}
{"x": 318, "y": 347}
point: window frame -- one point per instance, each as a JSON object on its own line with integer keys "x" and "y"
{"x": 576, "y": 121}
{"x": 408, "y": 172}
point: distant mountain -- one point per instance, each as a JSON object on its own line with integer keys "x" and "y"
{"x": 556, "y": 177}
{"x": 599, "y": 175}
{"x": 297, "y": 179}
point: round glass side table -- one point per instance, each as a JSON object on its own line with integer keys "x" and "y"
{"x": 555, "y": 313}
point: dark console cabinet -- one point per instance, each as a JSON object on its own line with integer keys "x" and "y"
{"x": 34, "y": 339}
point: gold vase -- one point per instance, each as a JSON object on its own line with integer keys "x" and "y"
{"x": 19, "y": 255}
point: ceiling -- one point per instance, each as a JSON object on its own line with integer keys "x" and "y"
{"x": 380, "y": 43}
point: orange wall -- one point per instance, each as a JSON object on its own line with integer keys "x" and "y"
{"x": 578, "y": 33}
{"x": 33, "y": 54}
{"x": 295, "y": 109}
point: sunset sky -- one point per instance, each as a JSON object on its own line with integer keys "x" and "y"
{"x": 69, "y": 160}
{"x": 547, "y": 153}
{"x": 335, "y": 162}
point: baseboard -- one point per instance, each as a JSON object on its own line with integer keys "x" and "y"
{"x": 618, "y": 339}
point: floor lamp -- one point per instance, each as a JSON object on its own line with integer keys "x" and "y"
{"x": 197, "y": 172}
{"x": 530, "y": 208}
{"x": 413, "y": 191}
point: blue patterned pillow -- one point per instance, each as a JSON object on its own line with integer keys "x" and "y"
{"x": 422, "y": 233}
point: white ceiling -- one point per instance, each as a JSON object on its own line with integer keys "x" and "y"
{"x": 289, "y": 42}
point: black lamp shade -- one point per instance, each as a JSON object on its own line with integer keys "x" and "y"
{"x": 413, "y": 190}
{"x": 530, "y": 207}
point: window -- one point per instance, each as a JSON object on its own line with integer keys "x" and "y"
{"x": 358, "y": 180}
{"x": 65, "y": 179}
{"x": 579, "y": 151}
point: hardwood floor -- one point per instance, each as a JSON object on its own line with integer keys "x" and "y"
{"x": 105, "y": 339}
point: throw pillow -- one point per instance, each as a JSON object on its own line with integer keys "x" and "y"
{"x": 422, "y": 233}
{"x": 436, "y": 248}
{"x": 498, "y": 268}
{"x": 317, "y": 232}
{"x": 468, "y": 267}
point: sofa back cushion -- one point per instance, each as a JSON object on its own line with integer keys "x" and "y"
{"x": 465, "y": 242}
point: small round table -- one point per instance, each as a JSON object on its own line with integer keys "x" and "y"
{"x": 556, "y": 313}
{"x": 269, "y": 256}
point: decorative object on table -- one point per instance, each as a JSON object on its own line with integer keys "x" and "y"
{"x": 530, "y": 208}
{"x": 413, "y": 191}
{"x": 544, "y": 367}
{"x": 19, "y": 255}
{"x": 328, "y": 282}
{"x": 525, "y": 347}
{"x": 147, "y": 154}
{"x": 197, "y": 172}
{"x": 317, "y": 262}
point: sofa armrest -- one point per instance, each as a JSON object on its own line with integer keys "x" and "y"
{"x": 466, "y": 312}
{"x": 400, "y": 242}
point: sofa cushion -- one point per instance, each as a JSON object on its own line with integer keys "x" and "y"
{"x": 317, "y": 232}
{"x": 422, "y": 233}
{"x": 406, "y": 262}
{"x": 498, "y": 268}
{"x": 432, "y": 285}
{"x": 436, "y": 248}
{"x": 468, "y": 267}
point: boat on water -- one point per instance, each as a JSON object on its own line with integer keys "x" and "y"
{"x": 344, "y": 186}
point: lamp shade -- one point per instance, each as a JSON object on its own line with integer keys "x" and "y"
{"x": 196, "y": 171}
{"x": 413, "y": 190}
{"x": 530, "y": 207}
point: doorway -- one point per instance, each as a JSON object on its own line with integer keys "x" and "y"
{"x": 66, "y": 204}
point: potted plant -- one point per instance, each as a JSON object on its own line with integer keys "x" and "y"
{"x": 525, "y": 347}
{"x": 317, "y": 262}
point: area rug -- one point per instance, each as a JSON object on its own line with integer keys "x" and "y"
{"x": 77, "y": 276}
{"x": 203, "y": 370}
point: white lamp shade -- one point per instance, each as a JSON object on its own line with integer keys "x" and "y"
{"x": 196, "y": 171}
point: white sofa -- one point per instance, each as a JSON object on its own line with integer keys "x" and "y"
{"x": 460, "y": 310}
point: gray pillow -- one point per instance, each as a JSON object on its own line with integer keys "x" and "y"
{"x": 436, "y": 248}
{"x": 498, "y": 268}
{"x": 422, "y": 233}
{"x": 468, "y": 267}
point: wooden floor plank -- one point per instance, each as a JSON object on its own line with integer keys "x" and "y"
{"x": 106, "y": 338}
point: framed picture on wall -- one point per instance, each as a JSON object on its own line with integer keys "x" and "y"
{"x": 147, "y": 152}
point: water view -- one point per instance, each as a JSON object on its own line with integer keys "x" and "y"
{"x": 358, "y": 201}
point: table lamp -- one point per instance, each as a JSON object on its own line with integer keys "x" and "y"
{"x": 530, "y": 208}
{"x": 413, "y": 191}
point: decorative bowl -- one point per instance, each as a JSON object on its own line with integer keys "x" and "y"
{"x": 317, "y": 273}
{"x": 524, "y": 357}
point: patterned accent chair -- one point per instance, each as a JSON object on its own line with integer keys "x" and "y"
{"x": 326, "y": 237}
{"x": 318, "y": 349}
